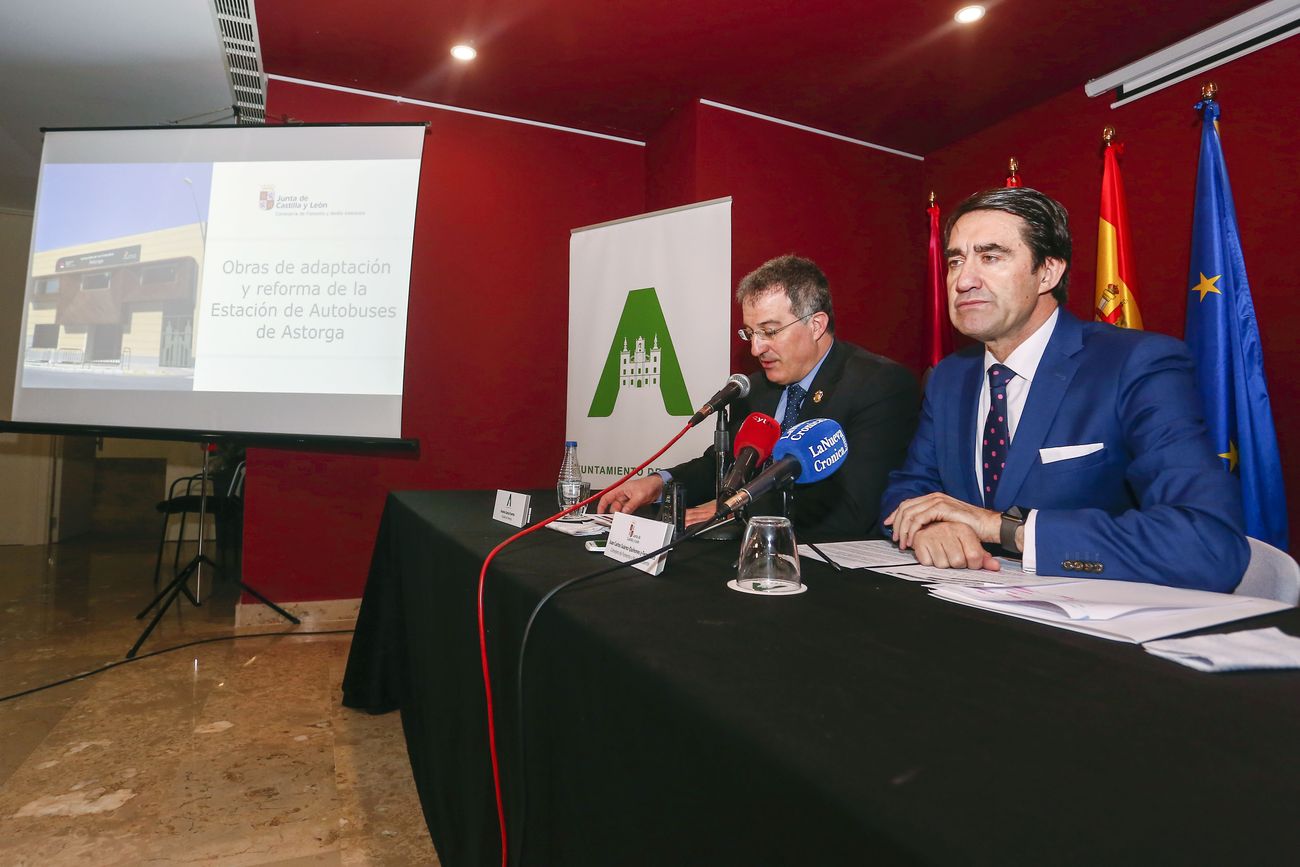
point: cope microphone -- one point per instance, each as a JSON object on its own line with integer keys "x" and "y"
{"x": 737, "y": 387}
{"x": 808, "y": 452}
{"x": 754, "y": 443}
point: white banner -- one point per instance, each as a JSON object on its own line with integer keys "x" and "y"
{"x": 649, "y": 326}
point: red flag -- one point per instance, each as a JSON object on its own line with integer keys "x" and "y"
{"x": 938, "y": 326}
{"x": 1116, "y": 301}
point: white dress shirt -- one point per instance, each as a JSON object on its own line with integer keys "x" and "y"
{"x": 1023, "y": 361}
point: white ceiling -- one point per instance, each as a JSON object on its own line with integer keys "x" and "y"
{"x": 69, "y": 63}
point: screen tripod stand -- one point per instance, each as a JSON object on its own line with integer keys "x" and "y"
{"x": 180, "y": 584}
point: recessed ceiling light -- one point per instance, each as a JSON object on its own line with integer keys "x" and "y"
{"x": 463, "y": 52}
{"x": 969, "y": 14}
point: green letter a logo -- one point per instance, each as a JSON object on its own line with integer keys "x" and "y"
{"x": 641, "y": 355}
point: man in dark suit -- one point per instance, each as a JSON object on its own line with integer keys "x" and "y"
{"x": 806, "y": 373}
{"x": 1079, "y": 444}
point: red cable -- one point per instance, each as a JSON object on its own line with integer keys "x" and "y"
{"x": 482, "y": 631}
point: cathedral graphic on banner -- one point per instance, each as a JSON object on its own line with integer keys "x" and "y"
{"x": 636, "y": 367}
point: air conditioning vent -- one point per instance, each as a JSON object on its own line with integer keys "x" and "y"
{"x": 236, "y": 21}
{"x": 248, "y": 97}
{"x": 236, "y": 29}
{"x": 243, "y": 61}
{"x": 234, "y": 8}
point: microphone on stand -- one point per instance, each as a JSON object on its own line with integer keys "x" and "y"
{"x": 737, "y": 387}
{"x": 754, "y": 442}
{"x": 808, "y": 452}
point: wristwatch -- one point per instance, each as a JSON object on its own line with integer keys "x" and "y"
{"x": 1012, "y": 520}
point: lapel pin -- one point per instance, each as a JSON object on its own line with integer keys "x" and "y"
{"x": 817, "y": 396}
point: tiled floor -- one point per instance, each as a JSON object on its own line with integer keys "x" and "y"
{"x": 229, "y": 752}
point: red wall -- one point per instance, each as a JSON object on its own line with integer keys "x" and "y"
{"x": 487, "y": 336}
{"x": 497, "y": 201}
{"x": 1058, "y": 145}
{"x": 852, "y": 209}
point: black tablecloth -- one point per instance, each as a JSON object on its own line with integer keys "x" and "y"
{"x": 671, "y": 720}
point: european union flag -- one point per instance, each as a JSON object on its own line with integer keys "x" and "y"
{"x": 1224, "y": 340}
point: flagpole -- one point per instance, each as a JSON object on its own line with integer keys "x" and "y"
{"x": 1013, "y": 178}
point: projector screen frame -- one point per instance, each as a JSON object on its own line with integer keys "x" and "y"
{"x": 291, "y": 125}
{"x": 243, "y": 438}
{"x": 256, "y": 438}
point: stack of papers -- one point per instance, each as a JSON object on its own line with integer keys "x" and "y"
{"x": 866, "y": 554}
{"x": 1118, "y": 610}
{"x": 884, "y": 557}
{"x": 1236, "y": 651}
{"x": 588, "y": 525}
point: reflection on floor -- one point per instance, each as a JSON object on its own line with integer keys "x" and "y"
{"x": 229, "y": 752}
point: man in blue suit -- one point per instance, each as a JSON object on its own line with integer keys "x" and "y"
{"x": 1077, "y": 444}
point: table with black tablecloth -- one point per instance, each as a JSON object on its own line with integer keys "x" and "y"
{"x": 672, "y": 721}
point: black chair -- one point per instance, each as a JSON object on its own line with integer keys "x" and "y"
{"x": 225, "y": 494}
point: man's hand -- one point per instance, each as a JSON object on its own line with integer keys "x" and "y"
{"x": 951, "y": 546}
{"x": 698, "y": 514}
{"x": 630, "y": 496}
{"x": 911, "y": 515}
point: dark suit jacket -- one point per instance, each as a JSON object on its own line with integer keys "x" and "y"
{"x": 1152, "y": 504}
{"x": 875, "y": 400}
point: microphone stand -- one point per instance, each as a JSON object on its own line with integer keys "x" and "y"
{"x": 729, "y": 530}
{"x": 721, "y": 450}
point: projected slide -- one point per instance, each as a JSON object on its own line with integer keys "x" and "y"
{"x": 305, "y": 278}
{"x": 115, "y": 275}
{"x": 223, "y": 262}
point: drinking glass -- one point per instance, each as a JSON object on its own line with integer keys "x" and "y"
{"x": 769, "y": 559}
{"x": 569, "y": 493}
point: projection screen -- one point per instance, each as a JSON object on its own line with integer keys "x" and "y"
{"x": 223, "y": 279}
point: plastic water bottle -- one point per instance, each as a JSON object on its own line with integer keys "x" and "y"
{"x": 569, "y": 489}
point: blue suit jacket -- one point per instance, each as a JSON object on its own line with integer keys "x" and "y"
{"x": 1154, "y": 504}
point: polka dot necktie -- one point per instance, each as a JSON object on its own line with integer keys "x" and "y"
{"x": 996, "y": 433}
{"x": 794, "y": 395}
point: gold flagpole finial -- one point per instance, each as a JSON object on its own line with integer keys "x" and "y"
{"x": 1209, "y": 90}
{"x": 1108, "y": 135}
{"x": 932, "y": 198}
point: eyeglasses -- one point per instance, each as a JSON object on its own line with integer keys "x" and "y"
{"x": 748, "y": 334}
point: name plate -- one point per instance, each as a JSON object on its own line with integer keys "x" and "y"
{"x": 631, "y": 537}
{"x": 512, "y": 509}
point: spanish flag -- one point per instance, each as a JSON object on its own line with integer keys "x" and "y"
{"x": 1116, "y": 302}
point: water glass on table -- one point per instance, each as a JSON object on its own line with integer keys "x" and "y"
{"x": 769, "y": 558}
{"x": 569, "y": 493}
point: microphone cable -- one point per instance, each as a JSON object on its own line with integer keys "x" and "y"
{"x": 108, "y": 666}
{"x": 523, "y": 649}
{"x": 482, "y": 628}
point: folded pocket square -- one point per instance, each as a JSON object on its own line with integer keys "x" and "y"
{"x": 1064, "y": 453}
